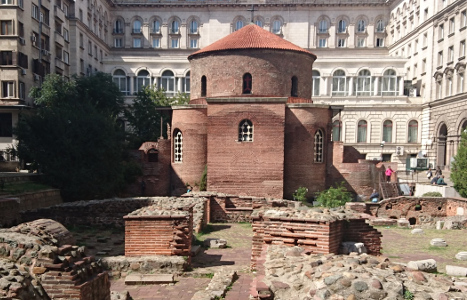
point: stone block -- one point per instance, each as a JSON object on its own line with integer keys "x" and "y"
{"x": 426, "y": 265}
{"x": 456, "y": 271}
{"x": 438, "y": 242}
{"x": 417, "y": 231}
{"x": 215, "y": 243}
{"x": 349, "y": 247}
{"x": 439, "y": 225}
{"x": 461, "y": 256}
{"x": 404, "y": 223}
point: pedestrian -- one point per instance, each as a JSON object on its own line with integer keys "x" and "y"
{"x": 441, "y": 181}
{"x": 435, "y": 180}
{"x": 388, "y": 173}
{"x": 429, "y": 173}
{"x": 438, "y": 171}
{"x": 374, "y": 197}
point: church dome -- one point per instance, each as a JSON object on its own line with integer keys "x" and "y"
{"x": 250, "y": 37}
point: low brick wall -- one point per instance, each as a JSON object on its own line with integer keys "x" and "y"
{"x": 11, "y": 207}
{"x": 317, "y": 233}
{"x": 150, "y": 231}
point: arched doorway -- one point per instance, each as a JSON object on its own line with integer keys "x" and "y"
{"x": 442, "y": 136}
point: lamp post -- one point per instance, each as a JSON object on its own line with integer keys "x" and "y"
{"x": 382, "y": 147}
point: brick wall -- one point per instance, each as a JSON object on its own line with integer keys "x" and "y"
{"x": 300, "y": 170}
{"x": 320, "y": 237}
{"x": 158, "y": 235}
{"x": 192, "y": 123}
{"x": 246, "y": 168}
{"x": 271, "y": 71}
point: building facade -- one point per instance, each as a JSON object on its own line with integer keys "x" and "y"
{"x": 393, "y": 71}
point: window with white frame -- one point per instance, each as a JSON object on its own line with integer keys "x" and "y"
{"x": 156, "y": 42}
{"x": 341, "y": 26}
{"x": 167, "y": 83}
{"x": 118, "y": 42}
{"x": 362, "y": 131}
{"x": 361, "y": 42}
{"x": 6, "y": 27}
{"x": 66, "y": 35}
{"x": 143, "y": 79}
{"x": 318, "y": 147}
{"x": 449, "y": 85}
{"x": 35, "y": 11}
{"x": 245, "y": 131}
{"x": 156, "y": 26}
{"x": 316, "y": 82}
{"x": 187, "y": 83}
{"x": 339, "y": 83}
{"x": 174, "y": 42}
{"x": 387, "y": 131}
{"x": 121, "y": 80}
{"x": 137, "y": 26}
{"x": 440, "y": 58}
{"x": 194, "y": 42}
{"x": 379, "y": 42}
{"x": 118, "y": 26}
{"x": 6, "y": 2}
{"x": 460, "y": 82}
{"x": 8, "y": 89}
{"x": 452, "y": 25}
{"x": 323, "y": 26}
{"x": 380, "y": 26}
{"x": 194, "y": 27}
{"x": 451, "y": 54}
{"x": 238, "y": 25}
{"x": 413, "y": 132}
{"x": 425, "y": 40}
{"x": 463, "y": 19}
{"x": 439, "y": 90}
{"x": 364, "y": 83}
{"x": 462, "y": 48}
{"x": 178, "y": 146}
{"x": 424, "y": 65}
{"x": 322, "y": 43}
{"x": 361, "y": 26}
{"x": 341, "y": 42}
{"x": 389, "y": 83}
{"x": 336, "y": 131}
{"x": 277, "y": 27}
{"x": 440, "y": 31}
{"x": 259, "y": 23}
{"x": 175, "y": 27}
{"x": 66, "y": 57}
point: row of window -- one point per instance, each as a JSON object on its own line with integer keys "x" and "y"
{"x": 451, "y": 54}
{"x": 245, "y": 134}
{"x": 9, "y": 90}
{"x": 387, "y": 134}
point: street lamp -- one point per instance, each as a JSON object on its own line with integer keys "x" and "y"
{"x": 382, "y": 147}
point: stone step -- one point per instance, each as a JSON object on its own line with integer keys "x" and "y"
{"x": 195, "y": 249}
{"x": 149, "y": 279}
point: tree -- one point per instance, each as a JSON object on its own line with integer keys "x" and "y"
{"x": 74, "y": 137}
{"x": 459, "y": 167}
{"x": 146, "y": 114}
{"x": 334, "y": 197}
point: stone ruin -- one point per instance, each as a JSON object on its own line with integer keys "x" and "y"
{"x": 312, "y": 236}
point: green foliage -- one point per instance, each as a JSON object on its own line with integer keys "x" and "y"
{"x": 334, "y": 197}
{"x": 300, "y": 194}
{"x": 408, "y": 295}
{"x": 432, "y": 194}
{"x": 74, "y": 138}
{"x": 459, "y": 167}
{"x": 204, "y": 179}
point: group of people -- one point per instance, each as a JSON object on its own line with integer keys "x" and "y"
{"x": 438, "y": 178}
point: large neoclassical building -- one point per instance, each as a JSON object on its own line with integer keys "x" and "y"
{"x": 394, "y": 70}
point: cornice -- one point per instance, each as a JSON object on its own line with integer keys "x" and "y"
{"x": 445, "y": 101}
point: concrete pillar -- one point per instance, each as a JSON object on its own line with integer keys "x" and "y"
{"x": 350, "y": 89}
{"x": 401, "y": 86}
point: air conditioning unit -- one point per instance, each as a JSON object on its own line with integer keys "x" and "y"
{"x": 45, "y": 52}
{"x": 22, "y": 41}
{"x": 33, "y": 38}
{"x": 413, "y": 92}
{"x": 399, "y": 150}
{"x": 23, "y": 71}
{"x": 37, "y": 77}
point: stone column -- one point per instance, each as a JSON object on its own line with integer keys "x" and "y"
{"x": 350, "y": 86}
{"x": 376, "y": 86}
{"x": 132, "y": 84}
{"x": 401, "y": 86}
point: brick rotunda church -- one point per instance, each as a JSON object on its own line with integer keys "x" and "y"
{"x": 250, "y": 120}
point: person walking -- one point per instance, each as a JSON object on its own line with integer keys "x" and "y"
{"x": 388, "y": 174}
{"x": 429, "y": 174}
{"x": 438, "y": 171}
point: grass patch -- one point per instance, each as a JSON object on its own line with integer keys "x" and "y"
{"x": 245, "y": 224}
{"x": 23, "y": 187}
{"x": 204, "y": 275}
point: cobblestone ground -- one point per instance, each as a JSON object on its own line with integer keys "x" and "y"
{"x": 237, "y": 256}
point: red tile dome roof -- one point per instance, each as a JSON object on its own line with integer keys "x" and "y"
{"x": 251, "y": 37}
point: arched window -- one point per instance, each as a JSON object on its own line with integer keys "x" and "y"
{"x": 194, "y": 27}
{"x": 238, "y": 25}
{"x": 178, "y": 146}
{"x": 259, "y": 23}
{"x": 387, "y": 131}
{"x": 341, "y": 26}
{"x": 318, "y": 150}
{"x": 276, "y": 27}
{"x": 137, "y": 26}
{"x": 336, "y": 131}
{"x": 294, "y": 90}
{"x": 389, "y": 83}
{"x": 121, "y": 80}
{"x": 339, "y": 83}
{"x": 156, "y": 26}
{"x": 361, "y": 26}
{"x": 247, "y": 83}
{"x": 323, "y": 26}
{"x": 203, "y": 86}
{"x": 168, "y": 83}
{"x": 316, "y": 82}
{"x": 361, "y": 131}
{"x": 364, "y": 84}
{"x": 413, "y": 131}
{"x": 380, "y": 26}
{"x": 118, "y": 26}
{"x": 245, "y": 131}
{"x": 153, "y": 155}
{"x": 174, "y": 27}
{"x": 142, "y": 80}
{"x": 186, "y": 83}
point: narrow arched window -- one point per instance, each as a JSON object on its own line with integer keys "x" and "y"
{"x": 413, "y": 131}
{"x": 120, "y": 79}
{"x": 239, "y": 25}
{"x": 364, "y": 84}
{"x": 318, "y": 151}
{"x": 361, "y": 26}
{"x": 361, "y": 131}
{"x": 143, "y": 79}
{"x": 336, "y": 131}
{"x": 294, "y": 90}
{"x": 247, "y": 83}
{"x": 167, "y": 82}
{"x": 387, "y": 131}
{"x": 137, "y": 26}
{"x": 342, "y": 26}
{"x": 389, "y": 83}
{"x": 316, "y": 81}
{"x": 339, "y": 83}
{"x": 178, "y": 146}
{"x": 203, "y": 86}
{"x": 323, "y": 26}
{"x": 245, "y": 131}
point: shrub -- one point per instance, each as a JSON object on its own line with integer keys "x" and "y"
{"x": 300, "y": 194}
{"x": 459, "y": 167}
{"x": 432, "y": 194}
{"x": 334, "y": 197}
{"x": 204, "y": 180}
